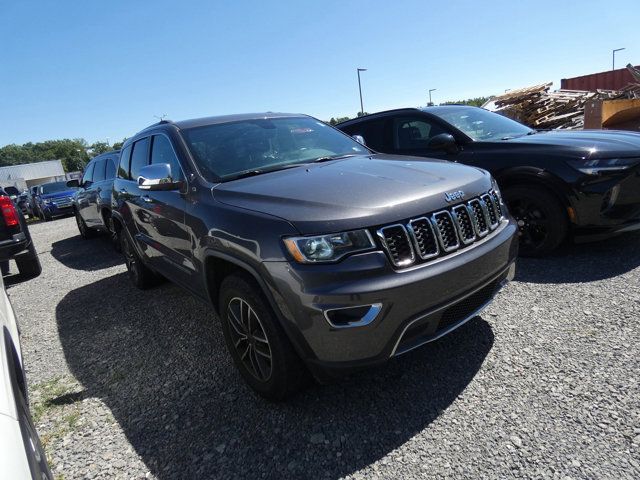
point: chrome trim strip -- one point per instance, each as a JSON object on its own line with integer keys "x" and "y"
{"x": 370, "y": 316}
{"x": 488, "y": 202}
{"x": 412, "y": 234}
{"x": 434, "y": 220}
{"x": 449, "y": 329}
{"x": 402, "y": 263}
{"x": 458, "y": 224}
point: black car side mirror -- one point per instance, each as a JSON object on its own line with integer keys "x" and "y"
{"x": 75, "y": 183}
{"x": 445, "y": 142}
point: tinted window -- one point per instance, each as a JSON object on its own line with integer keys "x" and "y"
{"x": 98, "y": 171}
{"x": 376, "y": 134}
{"x": 125, "y": 158}
{"x": 228, "y": 150}
{"x": 54, "y": 187}
{"x": 162, "y": 152}
{"x": 139, "y": 157}
{"x": 88, "y": 174}
{"x": 414, "y": 133}
{"x": 110, "y": 171}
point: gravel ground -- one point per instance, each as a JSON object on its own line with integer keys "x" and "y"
{"x": 130, "y": 384}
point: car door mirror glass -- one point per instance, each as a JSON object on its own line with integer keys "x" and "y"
{"x": 359, "y": 139}
{"x": 443, "y": 141}
{"x": 157, "y": 177}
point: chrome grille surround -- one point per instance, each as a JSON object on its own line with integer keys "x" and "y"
{"x": 423, "y": 235}
{"x": 463, "y": 219}
{"x": 397, "y": 258}
{"x": 445, "y": 230}
{"x": 492, "y": 213}
{"x": 442, "y": 232}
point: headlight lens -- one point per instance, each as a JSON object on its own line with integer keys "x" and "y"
{"x": 328, "y": 248}
{"x": 603, "y": 165}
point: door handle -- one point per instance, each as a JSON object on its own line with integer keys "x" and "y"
{"x": 147, "y": 198}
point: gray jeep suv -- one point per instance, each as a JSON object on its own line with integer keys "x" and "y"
{"x": 318, "y": 254}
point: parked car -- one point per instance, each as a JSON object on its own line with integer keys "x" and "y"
{"x": 557, "y": 184}
{"x": 21, "y": 453}
{"x": 23, "y": 204}
{"x": 15, "y": 240}
{"x": 54, "y": 199}
{"x": 314, "y": 250}
{"x": 92, "y": 202}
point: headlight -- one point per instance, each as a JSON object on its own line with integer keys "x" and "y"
{"x": 328, "y": 248}
{"x": 48, "y": 201}
{"x": 603, "y": 165}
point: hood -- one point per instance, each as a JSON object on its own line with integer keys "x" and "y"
{"x": 588, "y": 143}
{"x": 53, "y": 196}
{"x": 355, "y": 192}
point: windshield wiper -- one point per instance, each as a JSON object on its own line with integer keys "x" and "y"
{"x": 260, "y": 171}
{"x": 333, "y": 157}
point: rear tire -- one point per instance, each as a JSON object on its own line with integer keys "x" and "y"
{"x": 85, "y": 232}
{"x": 542, "y": 221}
{"x": 29, "y": 264}
{"x": 141, "y": 275}
{"x": 256, "y": 341}
{"x": 114, "y": 236}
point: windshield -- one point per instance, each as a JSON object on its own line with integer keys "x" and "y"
{"x": 481, "y": 124}
{"x": 228, "y": 150}
{"x": 54, "y": 187}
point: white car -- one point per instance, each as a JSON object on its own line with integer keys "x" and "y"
{"x": 21, "y": 454}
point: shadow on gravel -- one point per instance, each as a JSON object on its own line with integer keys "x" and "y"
{"x": 585, "y": 262}
{"x": 90, "y": 255}
{"x": 157, "y": 360}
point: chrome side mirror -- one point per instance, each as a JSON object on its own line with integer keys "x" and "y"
{"x": 157, "y": 177}
{"x": 359, "y": 139}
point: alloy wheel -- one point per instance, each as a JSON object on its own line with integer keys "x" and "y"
{"x": 533, "y": 224}
{"x": 129, "y": 257}
{"x": 249, "y": 339}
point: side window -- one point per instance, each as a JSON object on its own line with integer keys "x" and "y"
{"x": 125, "y": 161}
{"x": 98, "y": 171}
{"x": 375, "y": 134}
{"x": 87, "y": 178}
{"x": 162, "y": 152}
{"x": 110, "y": 171}
{"x": 139, "y": 157}
{"x": 414, "y": 133}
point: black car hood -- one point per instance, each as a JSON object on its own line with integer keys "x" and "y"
{"x": 355, "y": 192}
{"x": 587, "y": 143}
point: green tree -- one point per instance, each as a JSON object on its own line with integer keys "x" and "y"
{"x": 474, "y": 102}
{"x": 98, "y": 148}
{"x": 72, "y": 153}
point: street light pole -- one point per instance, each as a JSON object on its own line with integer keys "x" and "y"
{"x": 360, "y": 89}
{"x": 613, "y": 60}
{"x": 431, "y": 90}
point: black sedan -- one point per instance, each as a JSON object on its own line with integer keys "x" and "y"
{"x": 558, "y": 184}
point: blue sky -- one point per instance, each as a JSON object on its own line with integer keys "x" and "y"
{"x": 102, "y": 70}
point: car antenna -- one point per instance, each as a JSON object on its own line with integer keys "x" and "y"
{"x": 161, "y": 117}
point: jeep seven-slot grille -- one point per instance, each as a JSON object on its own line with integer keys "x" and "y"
{"x": 442, "y": 232}
{"x": 424, "y": 238}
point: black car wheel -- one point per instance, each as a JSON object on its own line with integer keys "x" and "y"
{"x": 259, "y": 347}
{"x": 542, "y": 223}
{"x": 114, "y": 237}
{"x": 28, "y": 263}
{"x": 141, "y": 275}
{"x": 85, "y": 232}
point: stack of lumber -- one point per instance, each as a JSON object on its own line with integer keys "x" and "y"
{"x": 540, "y": 108}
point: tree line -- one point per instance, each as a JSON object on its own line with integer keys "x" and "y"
{"x": 74, "y": 153}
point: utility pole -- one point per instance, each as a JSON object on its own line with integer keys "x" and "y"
{"x": 613, "y": 59}
{"x": 431, "y": 90}
{"x": 360, "y": 89}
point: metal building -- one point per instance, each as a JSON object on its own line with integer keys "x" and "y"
{"x": 611, "y": 80}
{"x": 29, "y": 174}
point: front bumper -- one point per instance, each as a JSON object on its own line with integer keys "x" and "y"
{"x": 56, "y": 210}
{"x": 418, "y": 304}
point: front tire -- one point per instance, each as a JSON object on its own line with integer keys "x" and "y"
{"x": 542, "y": 222}
{"x": 85, "y": 232}
{"x": 256, "y": 341}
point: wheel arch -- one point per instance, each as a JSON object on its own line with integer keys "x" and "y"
{"x": 531, "y": 176}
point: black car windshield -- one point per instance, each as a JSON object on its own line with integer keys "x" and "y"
{"x": 226, "y": 151}
{"x": 480, "y": 124}
{"x": 54, "y": 187}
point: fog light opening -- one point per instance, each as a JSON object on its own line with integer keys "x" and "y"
{"x": 350, "y": 317}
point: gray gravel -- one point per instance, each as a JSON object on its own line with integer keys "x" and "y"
{"x": 130, "y": 384}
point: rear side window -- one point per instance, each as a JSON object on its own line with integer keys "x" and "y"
{"x": 139, "y": 157}
{"x": 162, "y": 152}
{"x": 98, "y": 171}
{"x": 88, "y": 174}
{"x": 125, "y": 160}
{"x": 110, "y": 171}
